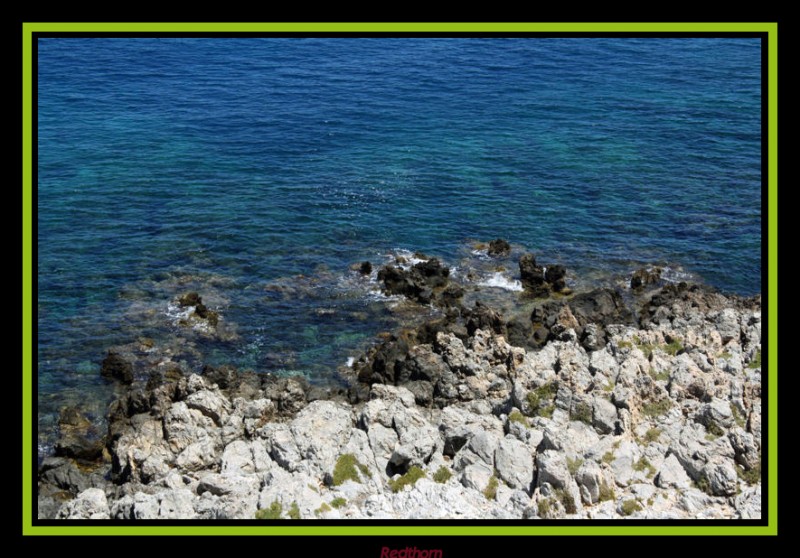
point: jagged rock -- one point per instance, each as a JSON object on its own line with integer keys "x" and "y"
{"x": 672, "y": 475}
{"x": 532, "y": 276}
{"x": 288, "y": 393}
{"x": 514, "y": 463}
{"x": 604, "y": 415}
{"x": 728, "y": 325}
{"x": 645, "y": 276}
{"x": 189, "y": 299}
{"x": 423, "y": 282}
{"x": 499, "y": 248}
{"x": 748, "y": 503}
{"x": 483, "y": 317}
{"x": 590, "y": 481}
{"x": 556, "y": 276}
{"x": 721, "y": 476}
{"x": 90, "y": 504}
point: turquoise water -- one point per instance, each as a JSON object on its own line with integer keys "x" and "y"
{"x": 235, "y": 165}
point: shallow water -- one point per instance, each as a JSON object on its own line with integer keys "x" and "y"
{"x": 257, "y": 170}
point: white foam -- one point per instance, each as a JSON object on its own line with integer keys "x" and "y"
{"x": 350, "y": 362}
{"x": 177, "y": 313}
{"x": 673, "y": 275}
{"x": 379, "y": 296}
{"x": 499, "y": 281}
{"x": 408, "y": 256}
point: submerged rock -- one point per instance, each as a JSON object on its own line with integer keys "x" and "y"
{"x": 79, "y": 438}
{"x": 116, "y": 367}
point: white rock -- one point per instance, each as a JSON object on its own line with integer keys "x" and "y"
{"x": 89, "y": 504}
{"x": 514, "y": 463}
{"x": 672, "y": 474}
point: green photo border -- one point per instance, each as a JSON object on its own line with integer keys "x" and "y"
{"x": 28, "y": 501}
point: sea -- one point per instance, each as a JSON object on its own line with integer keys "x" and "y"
{"x": 257, "y": 171}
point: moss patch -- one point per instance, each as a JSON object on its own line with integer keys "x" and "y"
{"x": 442, "y": 475}
{"x": 272, "y": 512}
{"x": 656, "y": 408}
{"x": 756, "y": 362}
{"x": 714, "y": 430}
{"x": 338, "y": 502}
{"x": 751, "y": 476}
{"x": 491, "y": 489}
{"x": 516, "y": 416}
{"x": 540, "y": 400}
{"x": 573, "y": 465}
{"x": 608, "y": 457}
{"x": 606, "y": 492}
{"x": 411, "y": 477}
{"x": 662, "y": 376}
{"x": 347, "y": 468}
{"x": 652, "y": 435}
{"x": 582, "y": 412}
{"x": 672, "y": 348}
{"x": 294, "y": 511}
{"x": 629, "y": 507}
{"x": 566, "y": 500}
{"x": 644, "y": 465}
{"x": 324, "y": 508}
{"x": 646, "y": 348}
{"x": 545, "y": 507}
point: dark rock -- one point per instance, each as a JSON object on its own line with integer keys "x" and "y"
{"x": 435, "y": 273}
{"x": 684, "y": 300}
{"x": 424, "y": 282}
{"x": 65, "y": 474}
{"x": 532, "y": 276}
{"x": 115, "y": 366}
{"x": 202, "y": 311}
{"x": 138, "y": 401}
{"x": 556, "y": 276}
{"x": 358, "y": 392}
{"x": 421, "y": 364}
{"x": 519, "y": 332}
{"x": 601, "y": 306}
{"x": 224, "y": 376}
{"x": 423, "y": 392}
{"x": 645, "y": 276}
{"x": 79, "y": 438}
{"x": 365, "y": 268}
{"x": 288, "y": 393}
{"x": 483, "y": 317}
{"x": 499, "y": 248}
{"x": 190, "y": 299}
{"x": 451, "y": 296}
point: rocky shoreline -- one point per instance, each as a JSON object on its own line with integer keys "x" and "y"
{"x": 642, "y": 402}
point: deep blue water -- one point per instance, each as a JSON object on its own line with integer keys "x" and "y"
{"x": 229, "y": 165}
